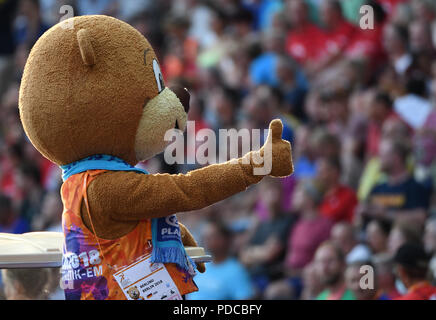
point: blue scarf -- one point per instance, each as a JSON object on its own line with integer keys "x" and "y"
{"x": 166, "y": 237}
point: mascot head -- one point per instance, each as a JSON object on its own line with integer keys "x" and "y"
{"x": 97, "y": 88}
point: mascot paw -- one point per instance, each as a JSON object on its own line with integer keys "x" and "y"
{"x": 276, "y": 152}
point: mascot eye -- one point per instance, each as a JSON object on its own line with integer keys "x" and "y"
{"x": 158, "y": 76}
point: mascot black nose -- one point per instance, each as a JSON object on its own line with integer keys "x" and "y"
{"x": 183, "y": 95}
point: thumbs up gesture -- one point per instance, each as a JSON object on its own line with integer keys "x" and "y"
{"x": 275, "y": 157}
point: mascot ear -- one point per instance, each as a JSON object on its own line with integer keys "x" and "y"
{"x": 85, "y": 46}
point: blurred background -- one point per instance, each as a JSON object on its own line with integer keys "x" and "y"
{"x": 358, "y": 107}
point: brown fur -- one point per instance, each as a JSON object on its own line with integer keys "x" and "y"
{"x": 71, "y": 110}
{"x": 90, "y": 90}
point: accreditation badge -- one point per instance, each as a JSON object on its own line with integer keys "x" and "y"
{"x": 144, "y": 280}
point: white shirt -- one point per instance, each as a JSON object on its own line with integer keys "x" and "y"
{"x": 413, "y": 109}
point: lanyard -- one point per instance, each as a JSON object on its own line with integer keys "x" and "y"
{"x": 85, "y": 197}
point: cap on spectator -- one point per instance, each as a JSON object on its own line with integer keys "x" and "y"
{"x": 412, "y": 255}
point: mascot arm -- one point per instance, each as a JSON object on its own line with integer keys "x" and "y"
{"x": 129, "y": 196}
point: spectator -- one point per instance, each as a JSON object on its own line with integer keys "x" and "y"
{"x": 28, "y": 180}
{"x": 343, "y": 235}
{"x": 305, "y": 154}
{"x": 377, "y": 233}
{"x": 311, "y": 283}
{"x": 305, "y": 40}
{"x": 87, "y": 7}
{"x": 235, "y": 65}
{"x": 412, "y": 269}
{"x": 335, "y": 102}
{"x": 330, "y": 264}
{"x": 263, "y": 69}
{"x": 424, "y": 148}
{"x": 337, "y": 33}
{"x": 385, "y": 277}
{"x": 200, "y": 22}
{"x": 263, "y": 106}
{"x": 400, "y": 197}
{"x": 421, "y": 39}
{"x": 395, "y": 42}
{"x": 308, "y": 233}
{"x": 423, "y": 10}
{"x": 367, "y": 44}
{"x": 414, "y": 107}
{"x": 265, "y": 250}
{"x": 225, "y": 278}
{"x": 181, "y": 59}
{"x": 393, "y": 129}
{"x": 29, "y": 26}
{"x": 400, "y": 234}
{"x": 430, "y": 244}
{"x": 50, "y": 217}
{"x": 380, "y": 109}
{"x": 219, "y": 42}
{"x": 10, "y": 221}
{"x": 293, "y": 86}
{"x": 264, "y": 12}
{"x": 25, "y": 284}
{"x": 55, "y": 292}
{"x": 326, "y": 145}
{"x": 338, "y": 30}
{"x": 222, "y": 109}
{"x": 7, "y": 13}
{"x": 339, "y": 201}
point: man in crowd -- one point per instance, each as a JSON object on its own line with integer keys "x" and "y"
{"x": 225, "y": 278}
{"x": 25, "y": 284}
{"x": 345, "y": 237}
{"x": 400, "y": 197}
{"x": 412, "y": 270}
{"x": 330, "y": 265}
{"x": 339, "y": 200}
{"x": 430, "y": 244}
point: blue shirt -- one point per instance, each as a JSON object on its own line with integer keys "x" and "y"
{"x": 304, "y": 168}
{"x": 227, "y": 280}
{"x": 263, "y": 69}
{"x": 406, "y": 195}
{"x": 20, "y": 225}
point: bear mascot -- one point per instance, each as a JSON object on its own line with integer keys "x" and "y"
{"x": 93, "y": 101}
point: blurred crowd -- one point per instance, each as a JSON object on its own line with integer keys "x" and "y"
{"x": 356, "y": 220}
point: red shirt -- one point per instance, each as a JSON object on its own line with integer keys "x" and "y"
{"x": 306, "y": 43}
{"x": 367, "y": 44}
{"x": 337, "y": 39}
{"x": 339, "y": 204}
{"x": 304, "y": 239}
{"x": 8, "y": 184}
{"x": 420, "y": 291}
